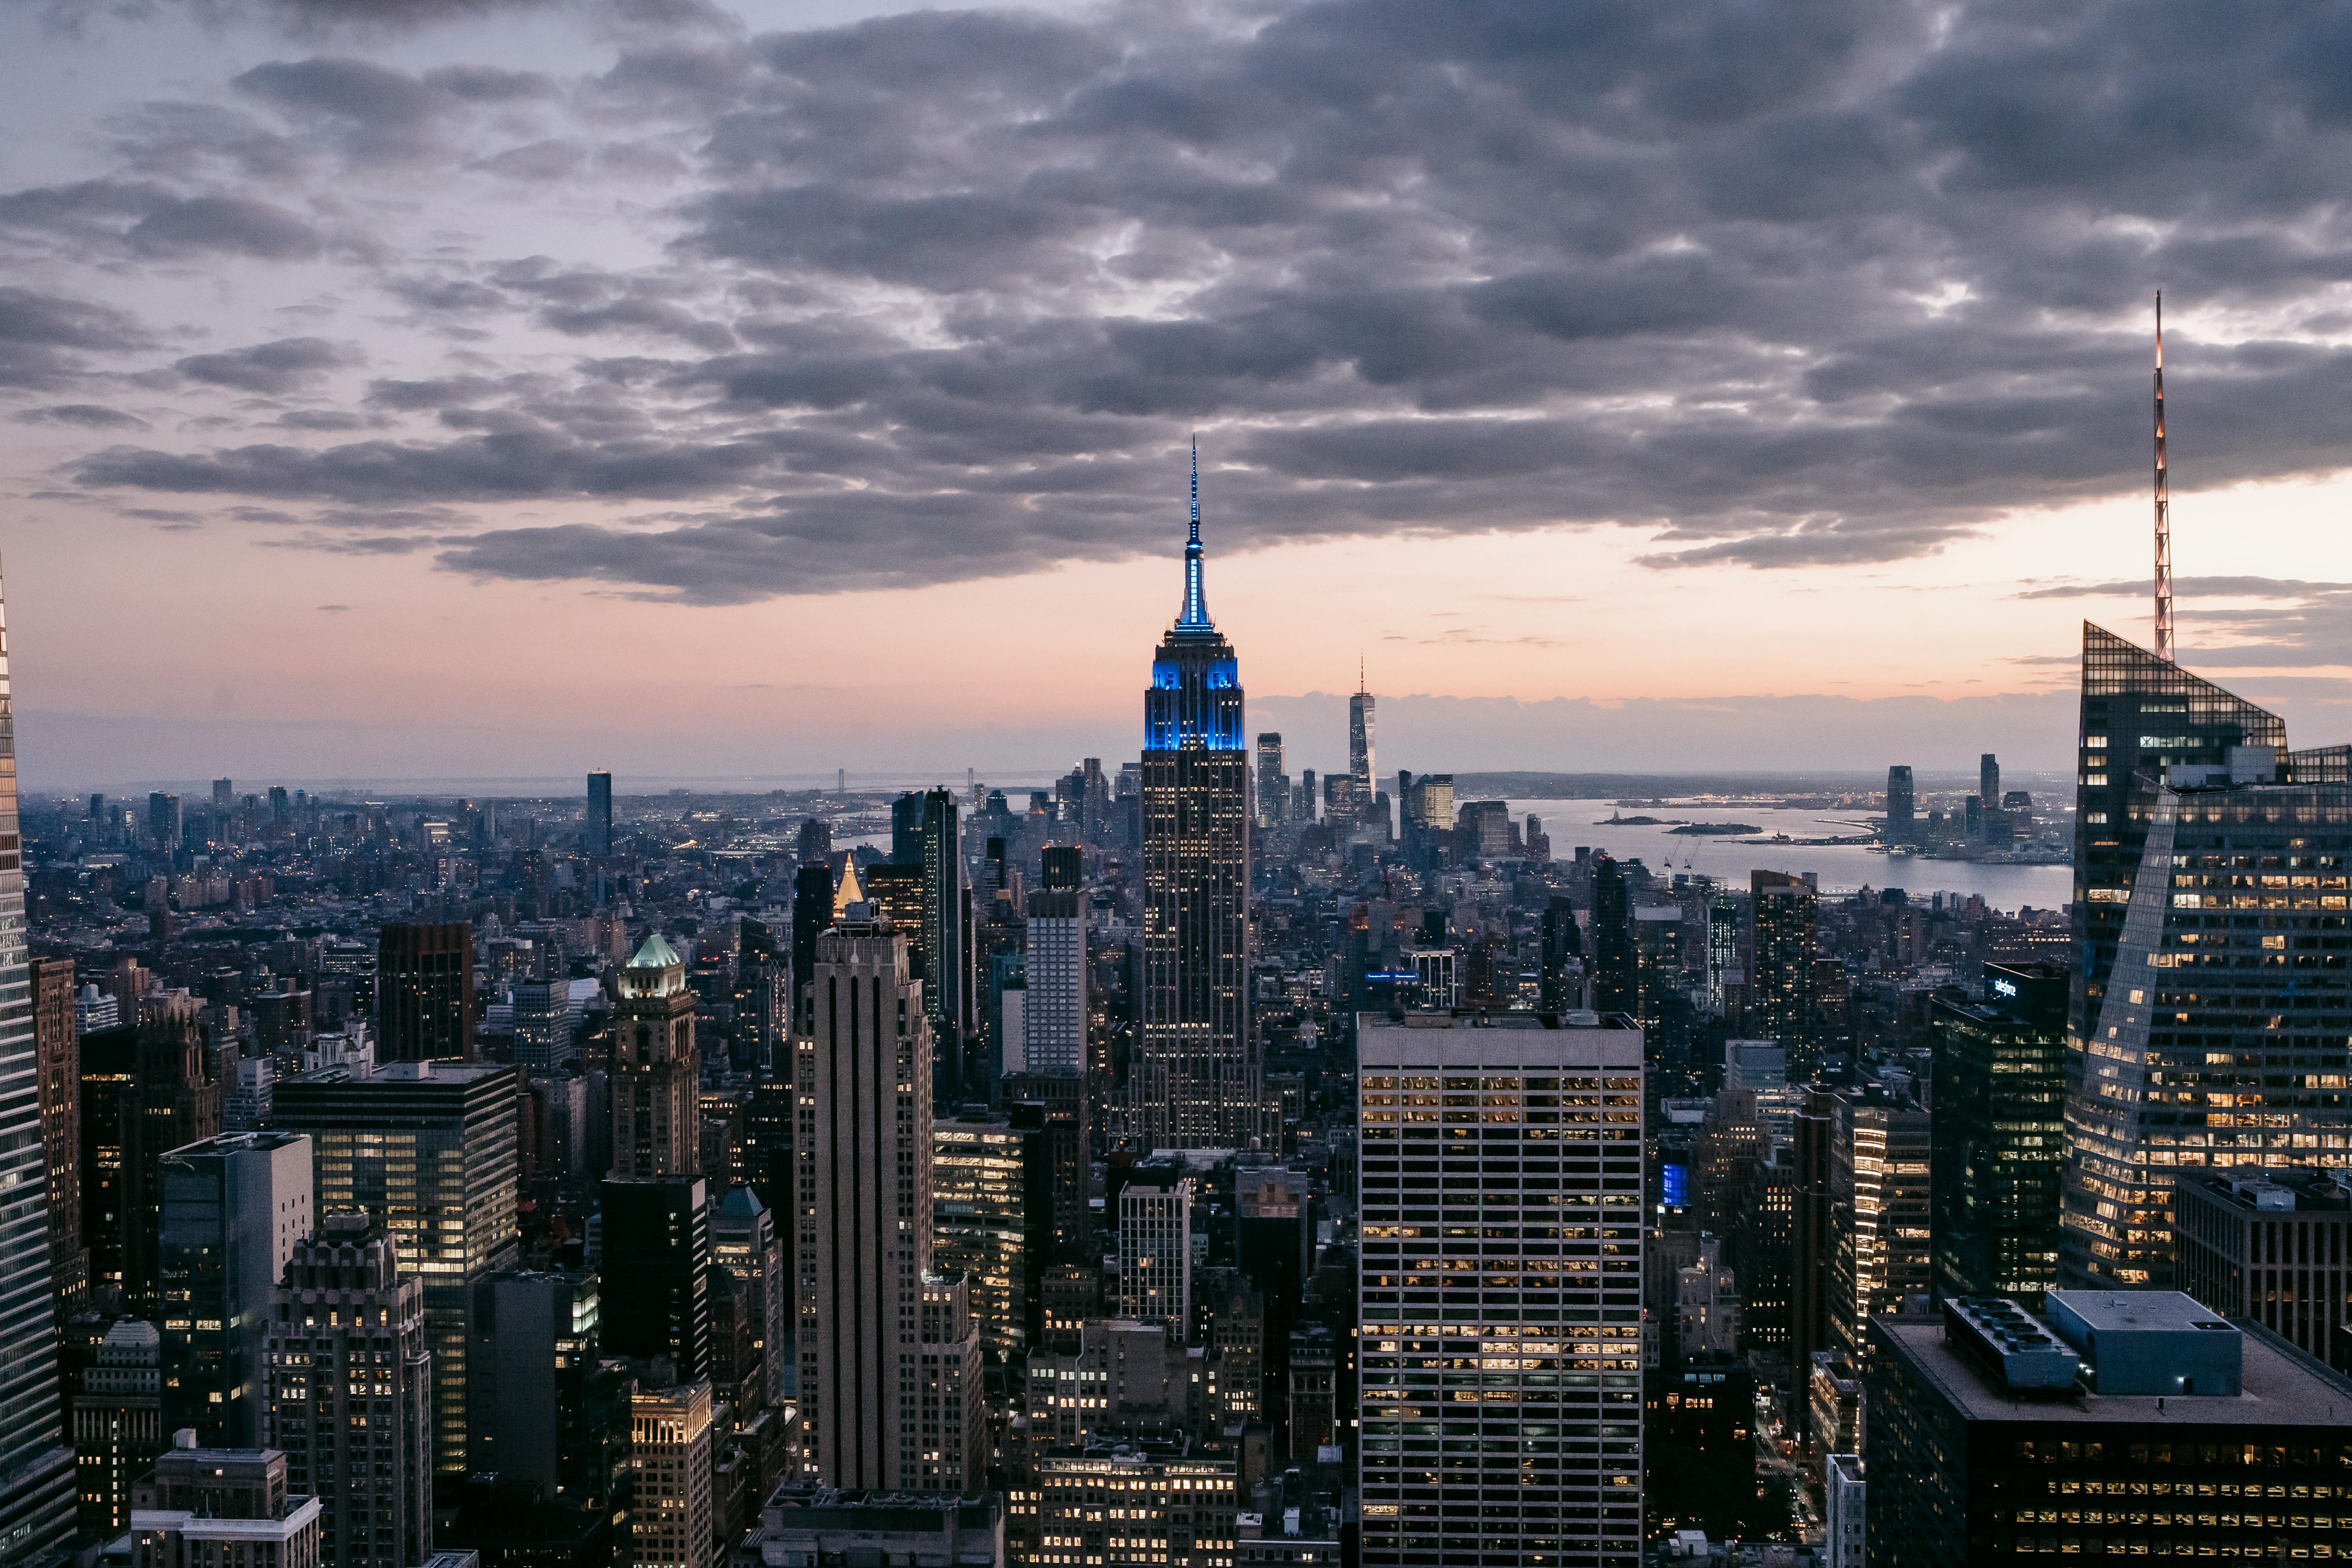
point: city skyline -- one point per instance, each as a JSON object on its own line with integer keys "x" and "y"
{"x": 338, "y": 314}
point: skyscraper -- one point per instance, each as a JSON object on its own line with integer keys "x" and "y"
{"x": 865, "y": 1205}
{"x": 1359, "y": 742}
{"x": 349, "y": 1397}
{"x": 57, "y": 1051}
{"x": 596, "y": 837}
{"x": 657, "y": 1256}
{"x": 812, "y": 913}
{"x": 174, "y": 1099}
{"x": 2221, "y": 1038}
{"x": 1563, "y": 947}
{"x": 1197, "y": 1076}
{"x": 1500, "y": 1318}
{"x": 224, "y": 800}
{"x": 424, "y": 993}
{"x": 1988, "y": 779}
{"x": 1273, "y": 782}
{"x": 747, "y": 1243}
{"x": 1879, "y": 1165}
{"x": 1784, "y": 916}
{"x": 993, "y": 1220}
{"x": 1155, "y": 1246}
{"x": 2140, "y": 715}
{"x": 36, "y": 1467}
{"x": 656, "y": 1107}
{"x": 1054, "y": 1020}
{"x": 1616, "y": 976}
{"x": 2000, "y": 1140}
{"x": 234, "y": 1207}
{"x": 429, "y": 1148}
{"x": 1902, "y": 807}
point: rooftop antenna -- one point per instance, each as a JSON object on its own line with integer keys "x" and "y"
{"x": 2163, "y": 507}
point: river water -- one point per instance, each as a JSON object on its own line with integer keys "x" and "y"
{"x": 1841, "y": 867}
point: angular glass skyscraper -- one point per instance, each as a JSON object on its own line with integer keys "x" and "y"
{"x": 36, "y": 1467}
{"x": 2141, "y": 715}
{"x": 2221, "y": 1037}
{"x": 1197, "y": 1076}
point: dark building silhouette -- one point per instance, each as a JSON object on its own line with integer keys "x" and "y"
{"x": 1784, "y": 918}
{"x": 2000, "y": 1134}
{"x": 424, "y": 993}
{"x": 1616, "y": 973}
{"x": 812, "y": 913}
{"x": 1902, "y": 807}
{"x": 1561, "y": 947}
{"x": 596, "y": 836}
{"x": 657, "y": 1253}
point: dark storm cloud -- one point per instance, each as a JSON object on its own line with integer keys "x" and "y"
{"x": 89, "y": 416}
{"x": 1819, "y": 283}
{"x": 270, "y": 368}
{"x": 40, "y": 337}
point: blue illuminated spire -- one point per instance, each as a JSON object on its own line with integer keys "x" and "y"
{"x": 1196, "y": 606}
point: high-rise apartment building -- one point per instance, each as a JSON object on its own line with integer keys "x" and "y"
{"x": 2220, "y": 1036}
{"x": 428, "y": 1149}
{"x": 1054, "y": 1014}
{"x": 1500, "y": 1295}
{"x": 57, "y": 1064}
{"x": 671, "y": 1521}
{"x": 2000, "y": 1143}
{"x": 118, "y": 1423}
{"x": 865, "y": 1207}
{"x": 658, "y": 1254}
{"x": 1902, "y": 807}
{"x": 424, "y": 993}
{"x": 2273, "y": 1246}
{"x": 657, "y": 1101}
{"x": 1879, "y": 1172}
{"x": 350, "y": 1401}
{"x": 542, "y": 1022}
{"x": 1155, "y": 1246}
{"x": 596, "y": 837}
{"x": 1784, "y": 921}
{"x": 1273, "y": 782}
{"x": 234, "y": 1207}
{"x": 746, "y": 1239}
{"x": 1196, "y": 1082}
{"x": 993, "y": 1220}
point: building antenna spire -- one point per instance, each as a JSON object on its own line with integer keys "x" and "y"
{"x": 2163, "y": 506}
{"x": 1196, "y": 605}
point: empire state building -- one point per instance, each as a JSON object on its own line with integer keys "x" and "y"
{"x": 1197, "y": 1079}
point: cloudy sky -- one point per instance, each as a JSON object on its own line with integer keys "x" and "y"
{"x": 700, "y": 387}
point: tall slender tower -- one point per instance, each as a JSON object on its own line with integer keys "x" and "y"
{"x": 656, "y": 1109}
{"x": 36, "y": 1467}
{"x": 1360, "y": 742}
{"x": 1197, "y": 1079}
{"x": 2163, "y": 507}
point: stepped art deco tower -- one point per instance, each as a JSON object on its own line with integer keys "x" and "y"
{"x": 1197, "y": 1076}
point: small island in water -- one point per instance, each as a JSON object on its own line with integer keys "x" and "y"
{"x": 1723, "y": 828}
